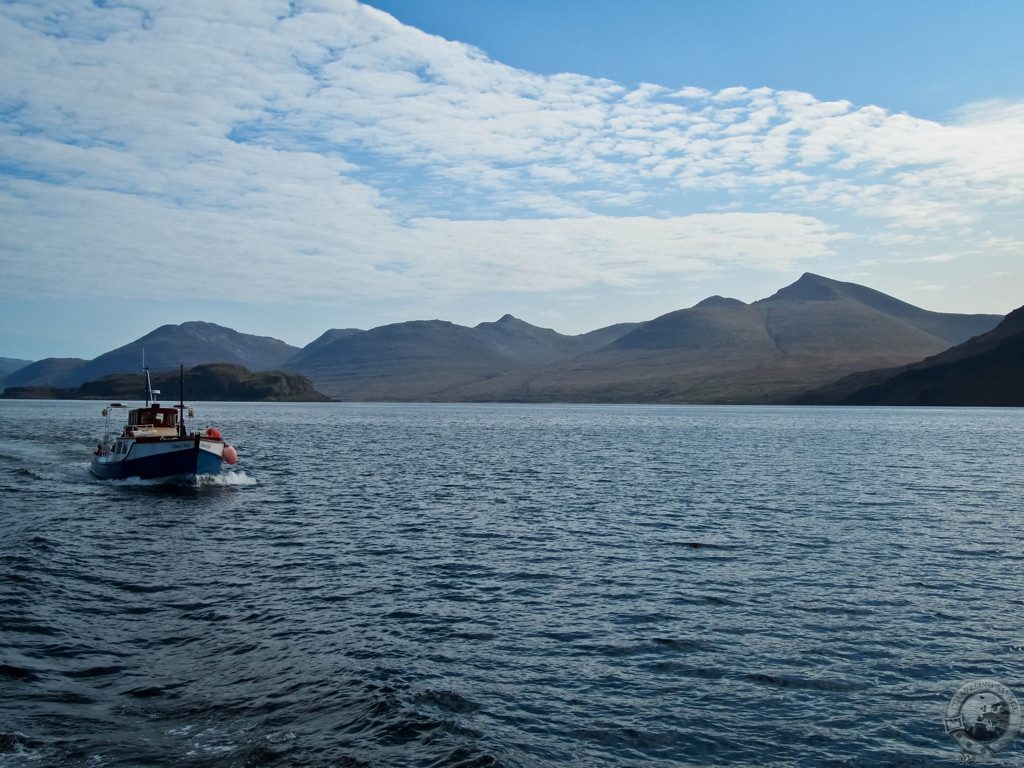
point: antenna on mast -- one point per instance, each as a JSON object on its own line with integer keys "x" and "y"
{"x": 149, "y": 383}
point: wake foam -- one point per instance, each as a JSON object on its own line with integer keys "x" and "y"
{"x": 232, "y": 479}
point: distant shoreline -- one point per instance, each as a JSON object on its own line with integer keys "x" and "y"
{"x": 536, "y": 403}
{"x": 216, "y": 382}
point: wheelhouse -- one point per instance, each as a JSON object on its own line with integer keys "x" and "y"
{"x": 154, "y": 421}
{"x": 153, "y": 415}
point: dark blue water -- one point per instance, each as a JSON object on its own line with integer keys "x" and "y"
{"x": 512, "y": 585}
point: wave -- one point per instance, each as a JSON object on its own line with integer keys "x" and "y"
{"x": 18, "y": 744}
{"x": 35, "y": 474}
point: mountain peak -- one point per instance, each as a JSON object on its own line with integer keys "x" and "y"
{"x": 508, "y": 319}
{"x": 199, "y": 324}
{"x": 506, "y": 323}
{"x": 719, "y": 301}
{"x": 325, "y": 339}
{"x": 809, "y": 287}
{"x": 188, "y": 327}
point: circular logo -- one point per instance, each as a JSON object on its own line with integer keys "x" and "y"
{"x": 983, "y": 717}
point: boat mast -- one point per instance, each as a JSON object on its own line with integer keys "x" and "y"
{"x": 181, "y": 400}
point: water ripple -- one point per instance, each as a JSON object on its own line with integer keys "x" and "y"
{"x": 511, "y": 586}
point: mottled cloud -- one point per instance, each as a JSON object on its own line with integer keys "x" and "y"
{"x": 323, "y": 149}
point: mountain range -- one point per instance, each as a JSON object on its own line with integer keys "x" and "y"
{"x": 720, "y": 350}
{"x": 438, "y": 360}
{"x": 804, "y": 336}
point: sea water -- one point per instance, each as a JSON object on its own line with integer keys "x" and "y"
{"x": 474, "y": 585}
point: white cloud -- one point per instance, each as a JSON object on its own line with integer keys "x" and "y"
{"x": 284, "y": 246}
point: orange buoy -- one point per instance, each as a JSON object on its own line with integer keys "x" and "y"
{"x": 230, "y": 454}
{"x": 213, "y": 432}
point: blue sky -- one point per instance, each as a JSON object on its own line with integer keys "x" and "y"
{"x": 284, "y": 168}
{"x": 925, "y": 58}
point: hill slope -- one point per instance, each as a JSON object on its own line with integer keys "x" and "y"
{"x": 11, "y": 364}
{"x": 323, "y": 340}
{"x": 987, "y": 370}
{"x": 48, "y": 372}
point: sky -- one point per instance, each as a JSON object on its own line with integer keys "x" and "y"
{"x": 287, "y": 167}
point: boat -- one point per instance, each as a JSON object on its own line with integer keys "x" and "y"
{"x": 156, "y": 442}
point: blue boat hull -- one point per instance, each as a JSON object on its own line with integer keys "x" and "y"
{"x": 190, "y": 461}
